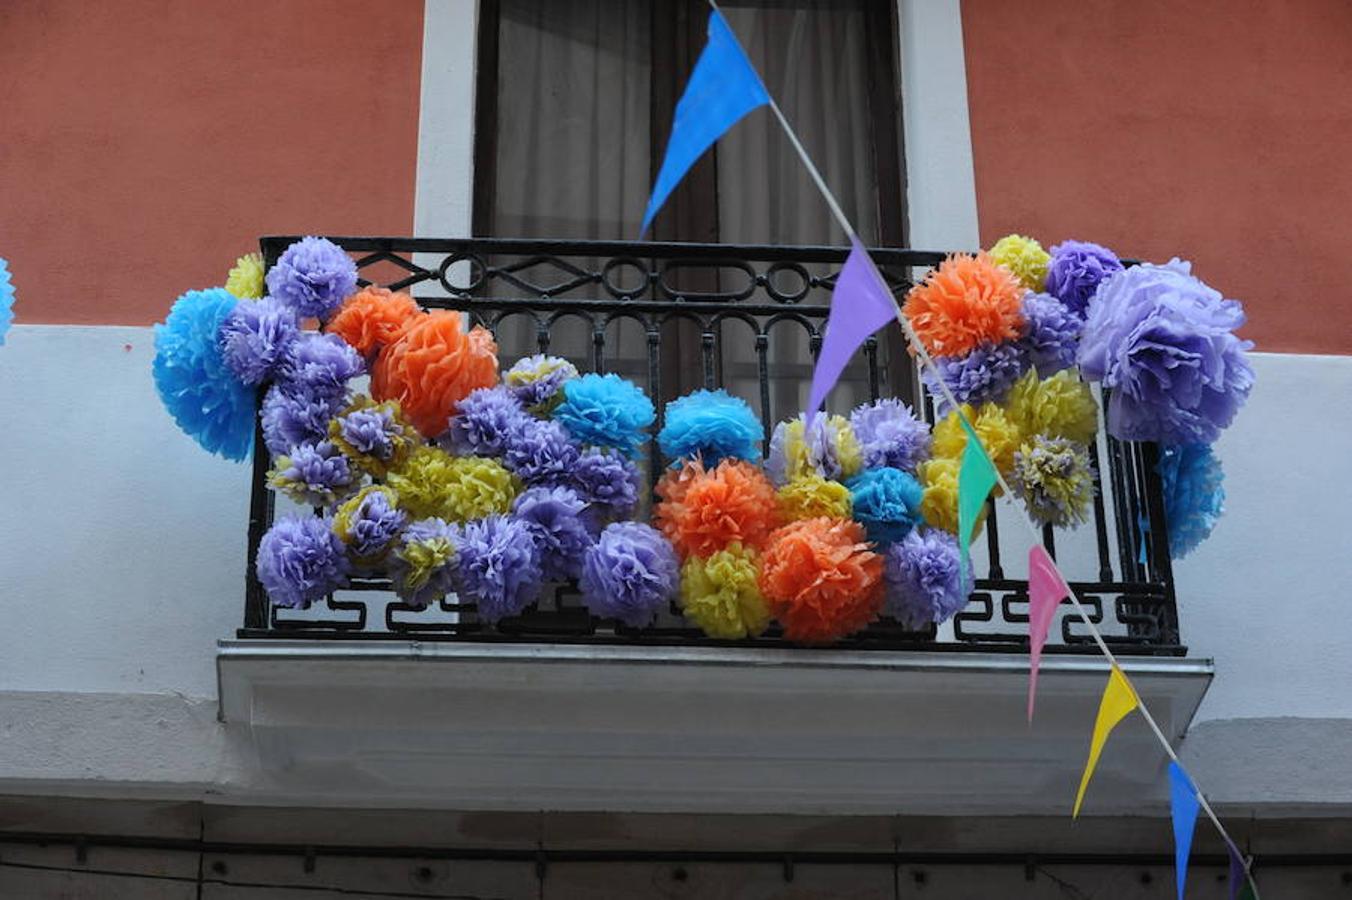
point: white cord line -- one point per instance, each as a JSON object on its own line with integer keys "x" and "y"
{"x": 928, "y": 363}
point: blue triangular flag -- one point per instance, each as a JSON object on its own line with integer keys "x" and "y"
{"x": 1183, "y": 804}
{"x": 722, "y": 88}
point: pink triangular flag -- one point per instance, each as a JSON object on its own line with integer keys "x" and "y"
{"x": 1044, "y": 595}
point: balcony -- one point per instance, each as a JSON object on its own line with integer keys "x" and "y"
{"x": 366, "y": 694}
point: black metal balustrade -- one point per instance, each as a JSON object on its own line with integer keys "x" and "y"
{"x": 678, "y": 316}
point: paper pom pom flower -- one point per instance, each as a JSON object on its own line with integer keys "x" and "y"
{"x": 313, "y": 276}
{"x": 537, "y": 381}
{"x": 369, "y": 525}
{"x": 711, "y": 425}
{"x": 422, "y": 564}
{"x": 821, "y": 580}
{"x": 208, "y": 402}
{"x": 886, "y": 502}
{"x": 606, "y": 411}
{"x": 6, "y": 301}
{"x": 924, "y": 581}
{"x": 1164, "y": 342}
{"x": 300, "y": 560}
{"x": 1076, "y": 270}
{"x": 998, "y": 432}
{"x": 964, "y": 303}
{"x": 483, "y": 422}
{"x": 1024, "y": 257}
{"x": 1194, "y": 494}
{"x": 987, "y": 373}
{"x": 499, "y": 566}
{"x": 813, "y": 497}
{"x": 828, "y": 448}
{"x": 374, "y": 436}
{"x": 432, "y": 367}
{"x": 1053, "y": 477}
{"x": 539, "y": 453}
{"x": 293, "y": 416}
{"x": 314, "y": 475}
{"x": 629, "y": 574}
{"x": 433, "y": 484}
{"x": 554, "y": 516}
{"x": 733, "y": 502}
{"x": 322, "y": 364}
{"x": 890, "y": 434}
{"x": 1059, "y": 406}
{"x": 609, "y": 484}
{"x": 1053, "y": 336}
{"x": 257, "y": 338}
{"x": 721, "y": 594}
{"x": 373, "y": 318}
{"x": 245, "y": 279}
{"x": 939, "y": 478}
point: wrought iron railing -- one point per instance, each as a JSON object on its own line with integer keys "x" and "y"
{"x": 678, "y": 316}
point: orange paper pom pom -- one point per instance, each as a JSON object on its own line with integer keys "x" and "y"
{"x": 434, "y": 366}
{"x": 373, "y": 318}
{"x": 821, "y": 579}
{"x": 966, "y": 302}
{"x": 703, "y": 512}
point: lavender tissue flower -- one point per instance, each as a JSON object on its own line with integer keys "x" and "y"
{"x": 629, "y": 574}
{"x": 539, "y": 452}
{"x": 483, "y": 421}
{"x": 922, "y": 578}
{"x": 369, "y": 524}
{"x": 296, "y": 415}
{"x": 608, "y": 483}
{"x": 321, "y": 363}
{"x": 300, "y": 560}
{"x": 1163, "y": 342}
{"x": 890, "y": 434}
{"x": 314, "y": 474}
{"x": 987, "y": 373}
{"x": 499, "y": 566}
{"x": 1053, "y": 334}
{"x": 1076, "y": 270}
{"x": 555, "y": 517}
{"x": 257, "y": 337}
{"x": 313, "y": 276}
{"x": 422, "y": 565}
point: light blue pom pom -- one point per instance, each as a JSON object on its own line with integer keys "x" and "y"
{"x": 713, "y": 425}
{"x": 1194, "y": 494}
{"x": 6, "y": 301}
{"x": 205, "y": 398}
{"x": 606, "y": 411}
{"x": 886, "y": 502}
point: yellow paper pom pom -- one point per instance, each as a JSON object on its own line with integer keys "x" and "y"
{"x": 997, "y": 431}
{"x": 369, "y": 549}
{"x": 1060, "y": 406}
{"x": 375, "y": 437}
{"x": 1024, "y": 257}
{"x": 812, "y": 496}
{"x": 432, "y": 483}
{"x": 791, "y": 456}
{"x": 246, "y": 278}
{"x": 939, "y": 506}
{"x": 721, "y": 593}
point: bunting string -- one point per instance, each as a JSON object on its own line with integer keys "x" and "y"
{"x": 927, "y": 362}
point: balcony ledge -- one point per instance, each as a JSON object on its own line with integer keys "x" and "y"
{"x": 691, "y": 729}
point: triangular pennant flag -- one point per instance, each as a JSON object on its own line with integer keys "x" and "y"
{"x": 723, "y": 87}
{"x": 859, "y": 306}
{"x": 1044, "y": 595}
{"x": 1237, "y": 875}
{"x": 976, "y": 477}
{"x": 1118, "y": 700}
{"x": 1183, "y": 806}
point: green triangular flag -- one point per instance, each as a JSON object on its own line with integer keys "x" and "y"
{"x": 975, "y": 480}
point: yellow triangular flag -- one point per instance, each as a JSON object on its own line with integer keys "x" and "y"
{"x": 1118, "y": 700}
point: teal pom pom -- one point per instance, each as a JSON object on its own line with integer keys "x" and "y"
{"x": 6, "y": 301}
{"x": 606, "y": 411}
{"x": 713, "y": 425}
{"x": 208, "y": 402}
{"x": 1194, "y": 494}
{"x": 886, "y": 502}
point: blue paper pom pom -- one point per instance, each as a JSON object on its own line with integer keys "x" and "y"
{"x": 606, "y": 411}
{"x": 1194, "y": 494}
{"x": 6, "y": 301}
{"x": 713, "y": 425}
{"x": 886, "y": 502}
{"x": 208, "y": 402}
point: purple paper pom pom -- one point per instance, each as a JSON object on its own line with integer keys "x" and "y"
{"x": 555, "y": 517}
{"x": 1053, "y": 334}
{"x": 499, "y": 566}
{"x": 1163, "y": 342}
{"x": 422, "y": 565}
{"x": 257, "y": 337}
{"x": 539, "y": 452}
{"x": 294, "y": 416}
{"x": 890, "y": 434}
{"x": 536, "y": 380}
{"x": 922, "y": 577}
{"x": 369, "y": 524}
{"x": 313, "y": 276}
{"x": 629, "y": 574}
{"x": 321, "y": 363}
{"x": 1075, "y": 271}
{"x": 483, "y": 422}
{"x": 987, "y": 373}
{"x": 608, "y": 483}
{"x": 300, "y": 560}
{"x": 314, "y": 474}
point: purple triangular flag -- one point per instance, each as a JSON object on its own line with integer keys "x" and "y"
{"x": 860, "y": 305}
{"x": 1237, "y": 878}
